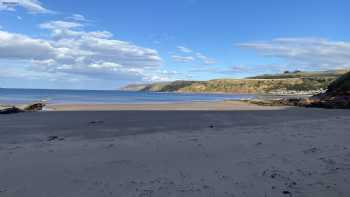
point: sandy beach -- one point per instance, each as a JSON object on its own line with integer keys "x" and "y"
{"x": 196, "y": 106}
{"x": 223, "y": 149}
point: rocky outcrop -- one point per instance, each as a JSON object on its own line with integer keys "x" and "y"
{"x": 299, "y": 102}
{"x": 5, "y": 109}
{"x": 337, "y": 95}
{"x": 34, "y": 107}
{"x": 9, "y": 110}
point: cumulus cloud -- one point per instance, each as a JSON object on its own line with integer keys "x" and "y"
{"x": 17, "y": 46}
{"x": 307, "y": 52}
{"x": 182, "y": 59}
{"x": 72, "y": 50}
{"x": 22, "y": 73}
{"x": 32, "y": 6}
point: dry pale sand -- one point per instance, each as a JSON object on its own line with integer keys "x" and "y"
{"x": 281, "y": 152}
{"x": 202, "y": 106}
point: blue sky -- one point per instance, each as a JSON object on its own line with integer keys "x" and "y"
{"x": 107, "y": 44}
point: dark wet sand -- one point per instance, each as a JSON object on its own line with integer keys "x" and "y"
{"x": 280, "y": 152}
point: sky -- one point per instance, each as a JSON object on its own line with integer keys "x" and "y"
{"x": 108, "y": 44}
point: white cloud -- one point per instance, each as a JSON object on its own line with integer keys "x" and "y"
{"x": 60, "y": 25}
{"x": 307, "y": 52}
{"x": 221, "y": 70}
{"x": 184, "y": 49}
{"x": 202, "y": 59}
{"x": 182, "y": 59}
{"x": 78, "y": 52}
{"x": 32, "y": 6}
{"x": 205, "y": 60}
{"x": 17, "y": 46}
{"x": 22, "y": 73}
{"x": 78, "y": 17}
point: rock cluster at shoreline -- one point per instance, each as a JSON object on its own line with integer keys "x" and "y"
{"x": 296, "y": 93}
{"x": 336, "y": 96}
{"x": 7, "y": 109}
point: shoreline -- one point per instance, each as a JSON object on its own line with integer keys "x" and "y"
{"x": 200, "y": 106}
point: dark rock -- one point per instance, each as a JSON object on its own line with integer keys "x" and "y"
{"x": 286, "y": 192}
{"x": 10, "y": 110}
{"x": 34, "y": 107}
{"x": 211, "y": 126}
{"x": 52, "y": 138}
{"x": 311, "y": 150}
{"x": 273, "y": 175}
{"x": 96, "y": 122}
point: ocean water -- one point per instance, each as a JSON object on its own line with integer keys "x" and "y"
{"x": 16, "y": 96}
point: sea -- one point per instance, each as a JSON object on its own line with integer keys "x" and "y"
{"x": 22, "y": 96}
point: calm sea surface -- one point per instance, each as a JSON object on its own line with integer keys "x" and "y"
{"x": 15, "y": 96}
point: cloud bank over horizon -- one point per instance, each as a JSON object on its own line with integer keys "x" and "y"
{"x": 54, "y": 43}
{"x": 70, "y": 51}
{"x": 75, "y": 51}
{"x": 309, "y": 53}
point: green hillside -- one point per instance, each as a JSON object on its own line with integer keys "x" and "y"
{"x": 286, "y": 82}
{"x": 159, "y": 87}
